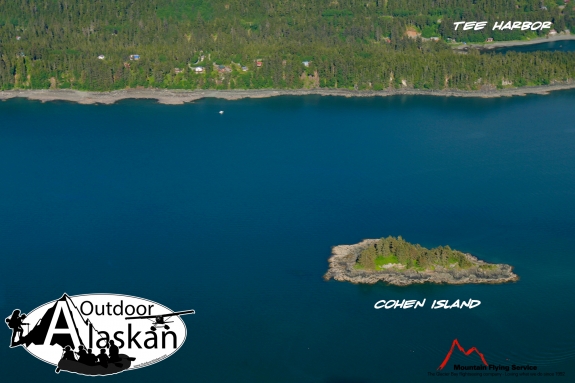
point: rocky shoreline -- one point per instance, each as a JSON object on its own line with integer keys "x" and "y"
{"x": 344, "y": 257}
{"x": 179, "y": 97}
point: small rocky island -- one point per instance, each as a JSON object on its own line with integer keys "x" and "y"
{"x": 397, "y": 262}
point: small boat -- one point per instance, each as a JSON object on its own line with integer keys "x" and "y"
{"x": 113, "y": 367}
{"x": 221, "y": 112}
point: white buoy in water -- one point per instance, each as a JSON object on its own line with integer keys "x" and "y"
{"x": 221, "y": 112}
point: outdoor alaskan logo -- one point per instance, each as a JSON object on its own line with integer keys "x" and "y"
{"x": 99, "y": 334}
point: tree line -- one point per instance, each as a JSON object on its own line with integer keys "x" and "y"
{"x": 411, "y": 255}
{"x": 349, "y": 44}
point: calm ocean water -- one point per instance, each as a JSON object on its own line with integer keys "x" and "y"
{"x": 235, "y": 215}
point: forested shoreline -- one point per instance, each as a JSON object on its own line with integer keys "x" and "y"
{"x": 346, "y": 44}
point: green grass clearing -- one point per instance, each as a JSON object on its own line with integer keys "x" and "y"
{"x": 380, "y": 261}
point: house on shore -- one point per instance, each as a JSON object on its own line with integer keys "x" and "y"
{"x": 552, "y": 32}
{"x": 223, "y": 68}
{"x": 259, "y": 63}
{"x": 101, "y": 57}
{"x": 199, "y": 69}
{"x": 412, "y": 33}
{"x": 305, "y": 63}
{"x": 489, "y": 40}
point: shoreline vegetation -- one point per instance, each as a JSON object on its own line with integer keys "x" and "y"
{"x": 179, "y": 97}
{"x": 200, "y": 45}
{"x": 397, "y": 262}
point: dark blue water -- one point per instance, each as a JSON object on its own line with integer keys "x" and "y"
{"x": 552, "y": 46}
{"x": 234, "y": 215}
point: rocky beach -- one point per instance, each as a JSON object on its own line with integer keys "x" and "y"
{"x": 344, "y": 257}
{"x": 179, "y": 97}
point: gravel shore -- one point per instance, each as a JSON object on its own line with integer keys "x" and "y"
{"x": 178, "y": 97}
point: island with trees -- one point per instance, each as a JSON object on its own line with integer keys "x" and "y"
{"x": 397, "y": 262}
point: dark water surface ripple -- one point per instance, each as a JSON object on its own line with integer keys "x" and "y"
{"x": 234, "y": 215}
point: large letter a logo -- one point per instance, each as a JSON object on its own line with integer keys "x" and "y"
{"x": 62, "y": 328}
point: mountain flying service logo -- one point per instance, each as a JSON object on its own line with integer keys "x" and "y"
{"x": 466, "y": 353}
{"x": 65, "y": 332}
{"x": 490, "y": 369}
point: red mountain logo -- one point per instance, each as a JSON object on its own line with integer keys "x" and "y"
{"x": 466, "y": 353}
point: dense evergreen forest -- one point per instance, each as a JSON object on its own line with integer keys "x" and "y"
{"x": 392, "y": 250}
{"x": 352, "y": 44}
